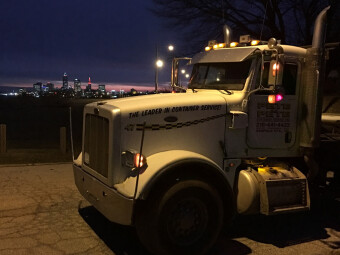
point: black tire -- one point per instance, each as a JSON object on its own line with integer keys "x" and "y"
{"x": 185, "y": 219}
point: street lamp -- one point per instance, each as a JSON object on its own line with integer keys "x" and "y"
{"x": 159, "y": 63}
{"x": 183, "y": 71}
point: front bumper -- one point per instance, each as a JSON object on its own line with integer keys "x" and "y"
{"x": 109, "y": 202}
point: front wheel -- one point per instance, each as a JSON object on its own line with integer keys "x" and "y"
{"x": 186, "y": 218}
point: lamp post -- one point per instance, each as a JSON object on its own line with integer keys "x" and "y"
{"x": 159, "y": 64}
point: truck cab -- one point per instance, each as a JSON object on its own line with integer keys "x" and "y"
{"x": 178, "y": 166}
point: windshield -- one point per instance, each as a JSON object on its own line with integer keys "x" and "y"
{"x": 226, "y": 76}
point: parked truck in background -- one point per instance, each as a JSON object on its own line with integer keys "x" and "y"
{"x": 242, "y": 139}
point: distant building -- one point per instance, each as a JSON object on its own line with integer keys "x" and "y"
{"x": 65, "y": 81}
{"x": 44, "y": 89}
{"x": 101, "y": 88}
{"x": 77, "y": 85}
{"x": 22, "y": 92}
{"x": 37, "y": 87}
{"x": 133, "y": 92}
{"x": 49, "y": 86}
{"x": 88, "y": 87}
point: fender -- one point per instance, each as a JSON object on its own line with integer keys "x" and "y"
{"x": 160, "y": 163}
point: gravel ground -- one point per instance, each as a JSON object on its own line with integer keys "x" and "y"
{"x": 41, "y": 212}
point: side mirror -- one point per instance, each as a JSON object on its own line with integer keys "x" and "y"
{"x": 276, "y": 71}
{"x": 174, "y": 71}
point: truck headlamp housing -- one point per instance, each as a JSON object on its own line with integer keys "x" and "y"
{"x": 133, "y": 159}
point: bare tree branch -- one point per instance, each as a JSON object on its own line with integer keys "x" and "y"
{"x": 198, "y": 20}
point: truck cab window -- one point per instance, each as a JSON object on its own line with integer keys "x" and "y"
{"x": 289, "y": 78}
{"x": 229, "y": 76}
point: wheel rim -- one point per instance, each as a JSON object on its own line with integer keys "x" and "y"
{"x": 187, "y": 221}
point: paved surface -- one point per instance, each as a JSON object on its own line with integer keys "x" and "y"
{"x": 41, "y": 212}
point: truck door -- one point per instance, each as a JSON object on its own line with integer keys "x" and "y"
{"x": 273, "y": 125}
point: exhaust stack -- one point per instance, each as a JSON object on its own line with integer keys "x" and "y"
{"x": 227, "y": 34}
{"x": 313, "y": 81}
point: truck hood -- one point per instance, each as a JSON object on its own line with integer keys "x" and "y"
{"x": 142, "y": 106}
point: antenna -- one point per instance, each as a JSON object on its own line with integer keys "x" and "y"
{"x": 140, "y": 156}
{"x": 264, "y": 17}
{"x": 222, "y": 11}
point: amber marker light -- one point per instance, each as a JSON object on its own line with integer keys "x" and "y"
{"x": 207, "y": 48}
{"x": 275, "y": 69}
{"x": 271, "y": 99}
{"x": 139, "y": 160}
{"x": 254, "y": 42}
{"x": 233, "y": 44}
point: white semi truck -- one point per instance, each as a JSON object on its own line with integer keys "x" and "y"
{"x": 178, "y": 166}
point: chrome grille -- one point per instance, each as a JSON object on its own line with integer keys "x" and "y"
{"x": 96, "y": 143}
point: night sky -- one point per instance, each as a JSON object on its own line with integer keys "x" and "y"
{"x": 114, "y": 42}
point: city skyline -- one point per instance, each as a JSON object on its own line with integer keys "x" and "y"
{"x": 109, "y": 85}
{"x": 114, "y": 42}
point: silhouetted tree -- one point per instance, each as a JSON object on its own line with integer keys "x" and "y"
{"x": 198, "y": 21}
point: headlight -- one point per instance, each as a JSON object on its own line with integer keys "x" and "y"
{"x": 133, "y": 159}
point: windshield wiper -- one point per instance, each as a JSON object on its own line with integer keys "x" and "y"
{"x": 227, "y": 91}
{"x": 178, "y": 87}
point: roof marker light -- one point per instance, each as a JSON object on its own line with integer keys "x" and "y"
{"x": 254, "y": 42}
{"x": 233, "y": 44}
{"x": 207, "y": 48}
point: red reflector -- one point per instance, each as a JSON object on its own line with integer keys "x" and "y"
{"x": 278, "y": 97}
